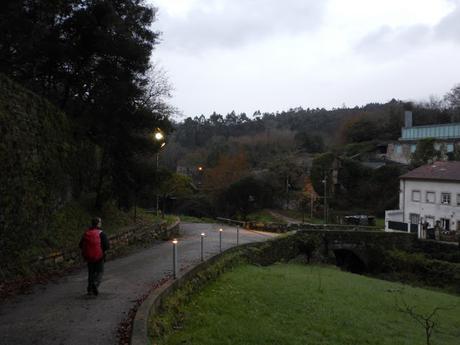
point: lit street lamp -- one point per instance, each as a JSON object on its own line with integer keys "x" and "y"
{"x": 202, "y": 246}
{"x": 175, "y": 266}
{"x": 160, "y": 137}
{"x": 220, "y": 240}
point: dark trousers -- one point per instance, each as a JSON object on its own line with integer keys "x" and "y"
{"x": 95, "y": 272}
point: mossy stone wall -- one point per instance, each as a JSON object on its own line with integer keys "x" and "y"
{"x": 36, "y": 151}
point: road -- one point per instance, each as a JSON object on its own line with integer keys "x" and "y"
{"x": 60, "y": 313}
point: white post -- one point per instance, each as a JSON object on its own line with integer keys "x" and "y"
{"x": 220, "y": 240}
{"x": 237, "y": 235}
{"x": 175, "y": 266}
{"x": 202, "y": 245}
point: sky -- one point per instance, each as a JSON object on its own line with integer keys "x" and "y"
{"x": 272, "y": 55}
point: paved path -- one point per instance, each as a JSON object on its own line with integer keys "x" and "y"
{"x": 61, "y": 313}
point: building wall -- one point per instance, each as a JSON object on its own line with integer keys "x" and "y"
{"x": 401, "y": 151}
{"x": 435, "y": 209}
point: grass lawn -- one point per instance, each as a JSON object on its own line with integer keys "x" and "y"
{"x": 300, "y": 216}
{"x": 191, "y": 219}
{"x": 308, "y": 305}
{"x": 264, "y": 216}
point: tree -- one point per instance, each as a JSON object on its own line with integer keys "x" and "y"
{"x": 453, "y": 100}
{"x": 310, "y": 143}
{"x": 92, "y": 59}
{"x": 425, "y": 152}
{"x": 174, "y": 185}
{"x": 247, "y": 195}
{"x": 361, "y": 129}
{"x": 321, "y": 168}
{"x": 427, "y": 321}
{"x": 229, "y": 169}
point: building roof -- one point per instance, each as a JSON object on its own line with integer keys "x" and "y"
{"x": 441, "y": 170}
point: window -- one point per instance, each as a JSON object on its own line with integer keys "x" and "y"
{"x": 445, "y": 198}
{"x": 430, "y": 197}
{"x": 414, "y": 218}
{"x": 398, "y": 149}
{"x": 450, "y": 147}
{"x": 445, "y": 224}
{"x": 415, "y": 195}
{"x": 413, "y": 147}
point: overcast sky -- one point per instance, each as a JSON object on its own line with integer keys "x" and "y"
{"x": 270, "y": 55}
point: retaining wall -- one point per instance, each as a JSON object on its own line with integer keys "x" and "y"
{"x": 118, "y": 242}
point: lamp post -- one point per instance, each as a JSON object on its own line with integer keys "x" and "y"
{"x": 237, "y": 235}
{"x": 159, "y": 137}
{"x": 175, "y": 266}
{"x": 325, "y": 198}
{"x": 202, "y": 246}
{"x": 220, "y": 240}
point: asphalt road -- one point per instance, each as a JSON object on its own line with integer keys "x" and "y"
{"x": 61, "y": 313}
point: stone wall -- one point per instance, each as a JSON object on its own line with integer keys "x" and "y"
{"x": 118, "y": 243}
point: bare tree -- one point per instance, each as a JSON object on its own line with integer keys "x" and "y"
{"x": 427, "y": 320}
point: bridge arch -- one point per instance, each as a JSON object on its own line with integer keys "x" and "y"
{"x": 349, "y": 260}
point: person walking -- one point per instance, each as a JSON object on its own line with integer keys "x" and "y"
{"x": 93, "y": 245}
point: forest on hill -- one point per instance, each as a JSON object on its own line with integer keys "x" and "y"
{"x": 278, "y": 159}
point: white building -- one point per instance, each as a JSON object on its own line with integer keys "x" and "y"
{"x": 429, "y": 193}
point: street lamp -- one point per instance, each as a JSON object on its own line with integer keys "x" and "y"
{"x": 175, "y": 264}
{"x": 159, "y": 136}
{"x": 202, "y": 246}
{"x": 220, "y": 240}
{"x": 325, "y": 198}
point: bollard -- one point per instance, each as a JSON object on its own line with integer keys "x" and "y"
{"x": 220, "y": 240}
{"x": 202, "y": 245}
{"x": 237, "y": 235}
{"x": 175, "y": 267}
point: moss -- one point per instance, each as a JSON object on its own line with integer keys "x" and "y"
{"x": 35, "y": 159}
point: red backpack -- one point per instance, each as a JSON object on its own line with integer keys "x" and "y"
{"x": 92, "y": 249}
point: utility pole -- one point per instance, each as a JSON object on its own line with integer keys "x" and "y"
{"x": 325, "y": 198}
{"x": 287, "y": 192}
{"x": 311, "y": 208}
{"x": 158, "y": 197}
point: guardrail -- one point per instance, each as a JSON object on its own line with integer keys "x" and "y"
{"x": 283, "y": 227}
{"x": 232, "y": 221}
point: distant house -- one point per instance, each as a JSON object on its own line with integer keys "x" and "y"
{"x": 430, "y": 193}
{"x": 446, "y": 136}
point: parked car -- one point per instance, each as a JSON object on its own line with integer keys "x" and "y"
{"x": 360, "y": 220}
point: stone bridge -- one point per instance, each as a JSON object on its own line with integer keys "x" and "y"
{"x": 356, "y": 251}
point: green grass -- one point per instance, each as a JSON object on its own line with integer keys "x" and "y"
{"x": 191, "y": 219}
{"x": 299, "y": 215}
{"x": 298, "y": 305}
{"x": 380, "y": 223}
{"x": 151, "y": 218}
{"x": 264, "y": 216}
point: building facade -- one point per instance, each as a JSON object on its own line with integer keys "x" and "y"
{"x": 446, "y": 136}
{"x": 431, "y": 194}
